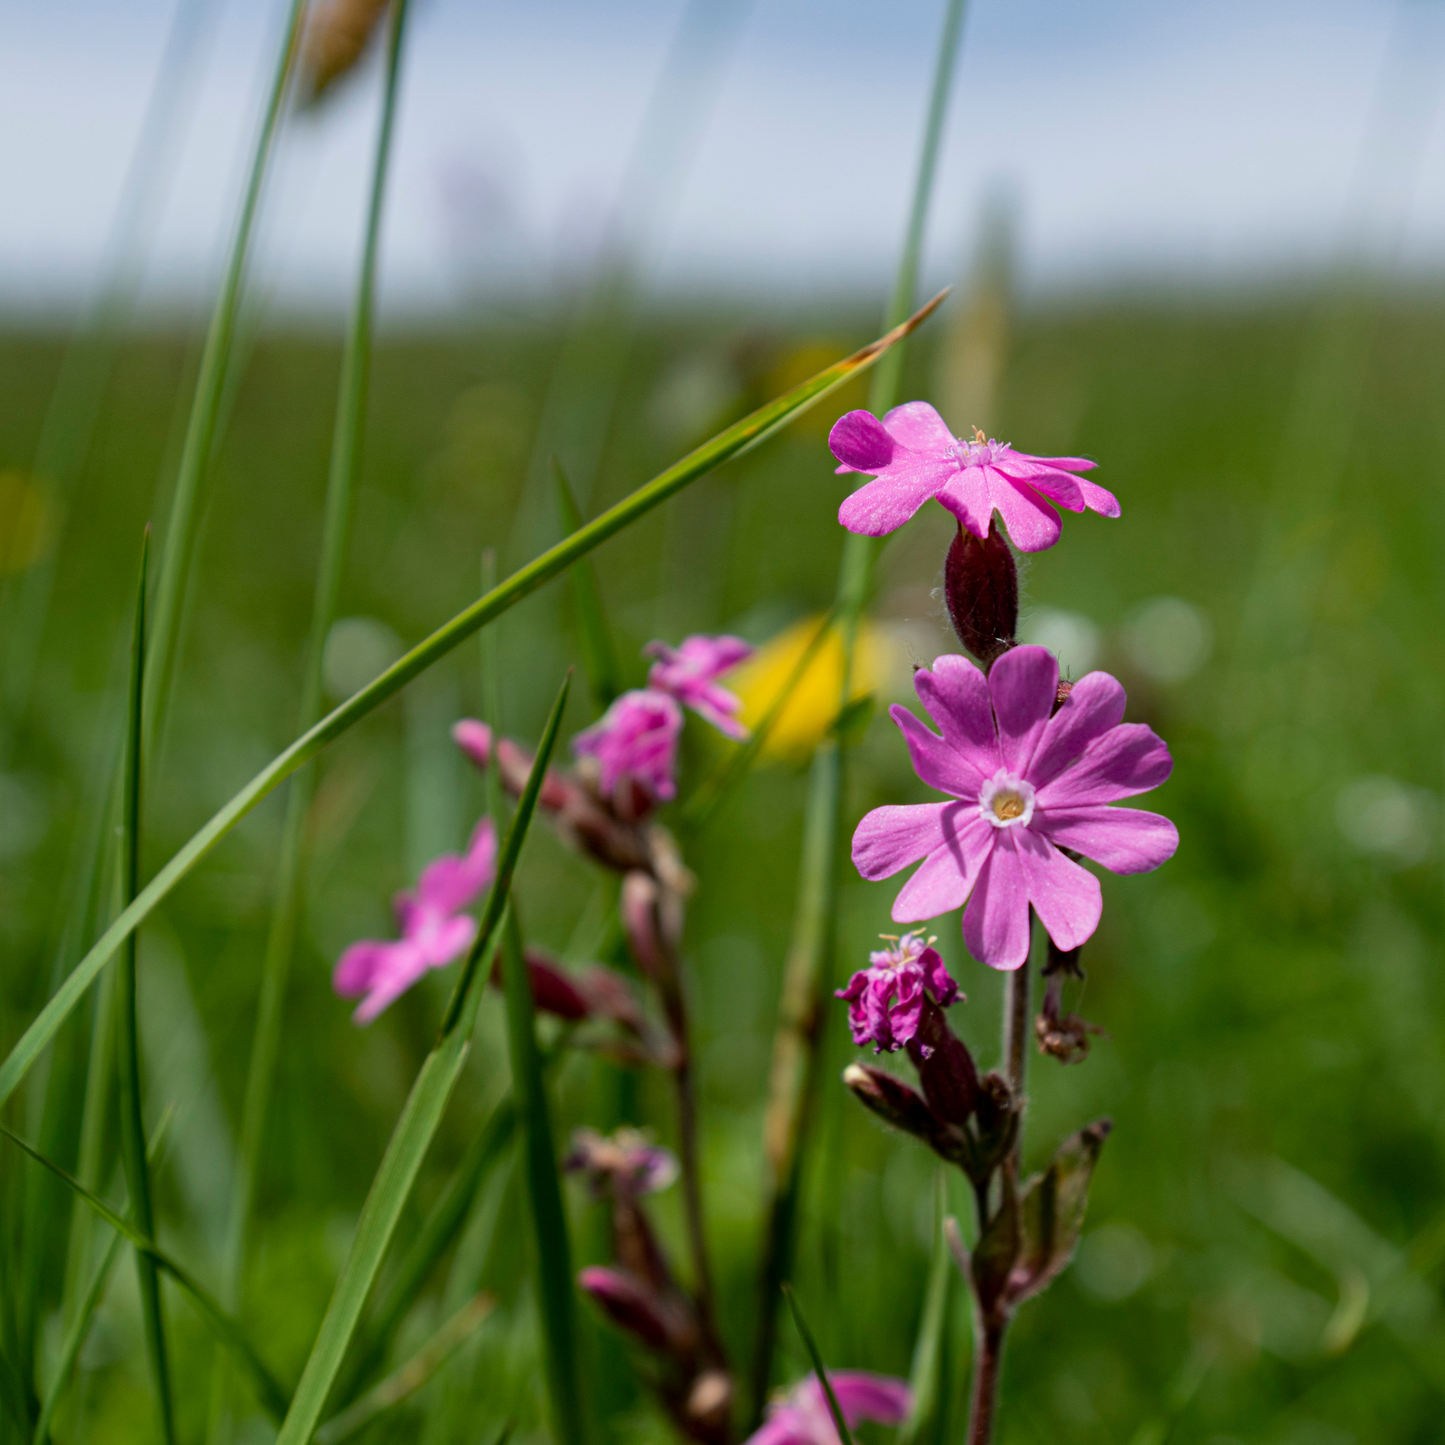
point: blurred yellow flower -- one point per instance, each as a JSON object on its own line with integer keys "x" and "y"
{"x": 26, "y": 522}
{"x": 814, "y": 702}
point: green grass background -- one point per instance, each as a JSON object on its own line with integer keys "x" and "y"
{"x": 1268, "y": 994}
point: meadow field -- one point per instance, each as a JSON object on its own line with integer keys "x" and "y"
{"x": 1264, "y": 1252}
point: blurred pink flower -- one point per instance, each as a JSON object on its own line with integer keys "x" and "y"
{"x": 434, "y": 931}
{"x": 636, "y": 738}
{"x": 688, "y": 672}
{"x": 1025, "y": 782}
{"x": 913, "y": 458}
{"x": 474, "y": 739}
{"x": 885, "y": 1000}
{"x": 803, "y": 1418}
{"x": 626, "y": 1160}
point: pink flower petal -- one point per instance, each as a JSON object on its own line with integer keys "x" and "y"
{"x": 474, "y": 739}
{"x": 935, "y": 762}
{"x": 1067, "y": 898}
{"x": 1058, "y": 486}
{"x": 1095, "y": 705}
{"x": 950, "y": 870}
{"x": 891, "y": 838}
{"x": 866, "y": 1396}
{"x": 1023, "y": 683}
{"x": 967, "y": 495}
{"x": 404, "y": 966}
{"x": 1067, "y": 464}
{"x": 359, "y": 966}
{"x": 918, "y": 427}
{"x": 860, "y": 442}
{"x": 996, "y": 921}
{"x": 446, "y": 942}
{"x": 886, "y": 503}
{"x": 1032, "y": 524}
{"x": 451, "y": 882}
{"x": 1096, "y": 499}
{"x": 1128, "y": 759}
{"x": 956, "y": 695}
{"x": 1123, "y": 840}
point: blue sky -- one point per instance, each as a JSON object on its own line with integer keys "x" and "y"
{"x": 1187, "y": 141}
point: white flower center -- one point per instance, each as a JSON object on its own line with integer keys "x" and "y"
{"x": 1005, "y": 800}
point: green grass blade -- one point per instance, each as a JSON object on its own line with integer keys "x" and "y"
{"x": 340, "y": 498}
{"x": 411, "y": 1376}
{"x": 544, "y": 1193}
{"x": 415, "y": 1129}
{"x": 490, "y": 657}
{"x": 183, "y": 523}
{"x": 127, "y": 1039}
{"x": 928, "y": 1377}
{"x": 594, "y": 637}
{"x": 733, "y": 442}
{"x": 712, "y": 790}
{"x": 436, "y": 1237}
{"x": 839, "y": 1423}
{"x": 795, "y": 1053}
{"x": 79, "y": 1329}
{"x": 225, "y": 1329}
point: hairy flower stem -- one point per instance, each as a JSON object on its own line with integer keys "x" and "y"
{"x": 987, "y": 1360}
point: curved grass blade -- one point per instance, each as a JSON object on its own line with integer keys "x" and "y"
{"x": 712, "y": 790}
{"x": 183, "y": 523}
{"x": 594, "y": 637}
{"x": 436, "y": 1237}
{"x": 79, "y": 1330}
{"x": 839, "y": 1423}
{"x": 270, "y": 1394}
{"x": 797, "y": 1044}
{"x": 127, "y": 1039}
{"x": 340, "y": 496}
{"x": 928, "y": 1377}
{"x": 733, "y": 442}
{"x": 544, "y": 1191}
{"x": 411, "y": 1376}
{"x": 415, "y": 1129}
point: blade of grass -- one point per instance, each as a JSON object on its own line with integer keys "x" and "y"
{"x": 225, "y": 1329}
{"x": 436, "y": 1237}
{"x": 411, "y": 1376}
{"x": 713, "y": 789}
{"x": 183, "y": 522}
{"x": 594, "y": 637}
{"x": 127, "y": 1037}
{"x": 544, "y": 1191}
{"x": 839, "y": 1423}
{"x": 807, "y": 978}
{"x": 415, "y": 1129}
{"x": 79, "y": 1329}
{"x": 733, "y": 442}
{"x": 928, "y": 1383}
{"x": 489, "y": 649}
{"x": 346, "y": 442}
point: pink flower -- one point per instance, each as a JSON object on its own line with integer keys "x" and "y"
{"x": 885, "y": 1000}
{"x": 626, "y": 1160}
{"x": 1023, "y": 785}
{"x": 914, "y": 457}
{"x": 688, "y": 673}
{"x": 434, "y": 931}
{"x": 474, "y": 739}
{"x": 803, "y": 1418}
{"x": 636, "y": 738}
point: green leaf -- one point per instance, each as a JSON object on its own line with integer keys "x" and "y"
{"x": 733, "y": 442}
{"x": 411, "y": 1376}
{"x": 839, "y": 1423}
{"x": 79, "y": 1330}
{"x": 544, "y": 1193}
{"x": 184, "y": 521}
{"x": 225, "y": 1329}
{"x": 350, "y": 424}
{"x": 127, "y": 1051}
{"x": 416, "y": 1128}
{"x": 436, "y": 1237}
{"x": 1052, "y": 1211}
{"x": 594, "y": 637}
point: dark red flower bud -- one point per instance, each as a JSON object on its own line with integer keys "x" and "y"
{"x": 981, "y": 587}
{"x": 945, "y": 1067}
{"x": 636, "y": 1308}
{"x": 903, "y": 1107}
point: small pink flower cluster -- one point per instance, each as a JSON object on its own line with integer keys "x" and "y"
{"x": 636, "y": 738}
